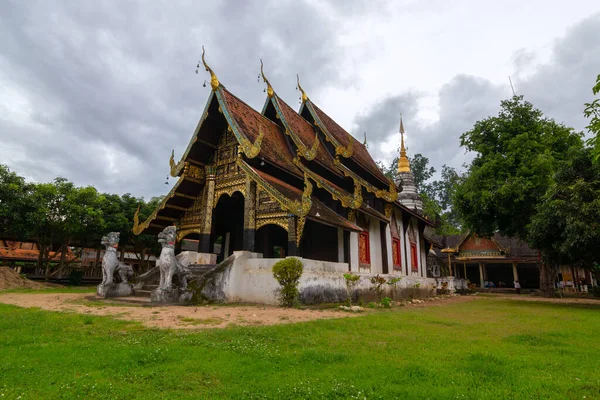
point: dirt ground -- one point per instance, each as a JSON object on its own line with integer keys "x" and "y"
{"x": 186, "y": 317}
{"x": 9, "y": 279}
{"x": 214, "y": 316}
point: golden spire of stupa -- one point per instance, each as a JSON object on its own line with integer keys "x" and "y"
{"x": 403, "y": 163}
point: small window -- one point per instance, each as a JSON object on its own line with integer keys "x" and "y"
{"x": 414, "y": 257}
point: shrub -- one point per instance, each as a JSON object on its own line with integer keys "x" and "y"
{"x": 351, "y": 281}
{"x": 288, "y": 273}
{"x": 378, "y": 282}
{"x": 595, "y": 291}
{"x": 393, "y": 282}
{"x": 386, "y": 302}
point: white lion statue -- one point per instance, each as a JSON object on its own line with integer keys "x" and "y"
{"x": 111, "y": 263}
{"x": 167, "y": 263}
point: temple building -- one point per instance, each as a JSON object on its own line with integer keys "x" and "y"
{"x": 500, "y": 261}
{"x": 284, "y": 183}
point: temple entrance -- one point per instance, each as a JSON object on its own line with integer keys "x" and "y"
{"x": 501, "y": 274}
{"x": 227, "y": 225}
{"x": 272, "y": 241}
{"x": 319, "y": 242}
{"x": 529, "y": 276}
{"x": 472, "y": 272}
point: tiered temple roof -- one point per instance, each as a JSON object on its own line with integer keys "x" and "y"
{"x": 285, "y": 152}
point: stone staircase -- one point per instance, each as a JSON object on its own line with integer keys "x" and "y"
{"x": 143, "y": 294}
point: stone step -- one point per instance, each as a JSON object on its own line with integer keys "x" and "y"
{"x": 135, "y": 299}
{"x": 142, "y": 293}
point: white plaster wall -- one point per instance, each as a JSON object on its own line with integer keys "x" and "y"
{"x": 250, "y": 279}
{"x": 354, "y": 251}
{"x": 375, "y": 246}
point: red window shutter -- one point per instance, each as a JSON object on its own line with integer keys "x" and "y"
{"x": 414, "y": 257}
{"x": 364, "y": 251}
{"x": 396, "y": 254}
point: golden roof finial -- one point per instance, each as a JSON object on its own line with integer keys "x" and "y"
{"x": 304, "y": 96}
{"x": 270, "y": 91}
{"x": 403, "y": 163}
{"x": 214, "y": 82}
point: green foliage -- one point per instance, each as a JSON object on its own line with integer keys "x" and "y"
{"x": 386, "y": 302}
{"x": 75, "y": 277}
{"x": 566, "y": 225}
{"x": 351, "y": 282}
{"x": 516, "y": 154}
{"x": 592, "y": 111}
{"x": 288, "y": 273}
{"x": 378, "y": 281}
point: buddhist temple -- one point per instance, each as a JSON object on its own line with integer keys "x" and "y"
{"x": 282, "y": 182}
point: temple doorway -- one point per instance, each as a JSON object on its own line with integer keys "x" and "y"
{"x": 227, "y": 225}
{"x": 319, "y": 242}
{"x": 272, "y": 241}
{"x": 529, "y": 276}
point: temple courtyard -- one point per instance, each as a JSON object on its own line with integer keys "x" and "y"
{"x": 64, "y": 343}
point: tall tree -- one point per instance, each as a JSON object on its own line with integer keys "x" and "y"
{"x": 15, "y": 204}
{"x": 566, "y": 227}
{"x": 517, "y": 153}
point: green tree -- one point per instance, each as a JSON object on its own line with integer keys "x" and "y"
{"x": 566, "y": 227}
{"x": 592, "y": 111}
{"x": 15, "y": 204}
{"x": 517, "y": 154}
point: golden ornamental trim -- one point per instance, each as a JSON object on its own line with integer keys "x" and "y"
{"x": 279, "y": 221}
{"x": 214, "y": 82}
{"x": 347, "y": 200}
{"x": 345, "y": 152}
{"x": 304, "y": 96}
{"x": 250, "y": 149}
{"x": 388, "y": 210}
{"x": 139, "y": 228}
{"x": 299, "y": 229}
{"x": 390, "y": 195}
{"x": 270, "y": 91}
{"x": 299, "y": 208}
{"x": 184, "y": 232}
{"x": 175, "y": 168}
{"x": 311, "y": 153}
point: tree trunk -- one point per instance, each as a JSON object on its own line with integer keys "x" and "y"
{"x": 47, "y": 262}
{"x": 41, "y": 251}
{"x": 548, "y": 273}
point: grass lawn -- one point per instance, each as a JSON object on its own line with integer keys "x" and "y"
{"x": 486, "y": 348}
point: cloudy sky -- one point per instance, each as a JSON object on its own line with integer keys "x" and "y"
{"x": 101, "y": 91}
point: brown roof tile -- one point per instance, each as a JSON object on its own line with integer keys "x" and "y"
{"x": 360, "y": 153}
{"x": 274, "y": 148}
{"x": 306, "y": 133}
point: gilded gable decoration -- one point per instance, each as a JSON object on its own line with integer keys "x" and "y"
{"x": 250, "y": 149}
{"x": 214, "y": 82}
{"x": 175, "y": 168}
{"x": 270, "y": 91}
{"x": 304, "y": 96}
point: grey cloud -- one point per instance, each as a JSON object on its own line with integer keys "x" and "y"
{"x": 559, "y": 88}
{"x": 112, "y": 79}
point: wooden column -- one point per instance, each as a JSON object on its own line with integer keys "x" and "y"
{"x": 465, "y": 269}
{"x": 481, "y": 280}
{"x": 209, "y": 200}
{"x": 515, "y": 272}
{"x": 292, "y": 246}
{"x": 249, "y": 236}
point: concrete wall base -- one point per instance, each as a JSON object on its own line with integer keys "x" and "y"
{"x": 246, "y": 277}
{"x": 114, "y": 290}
